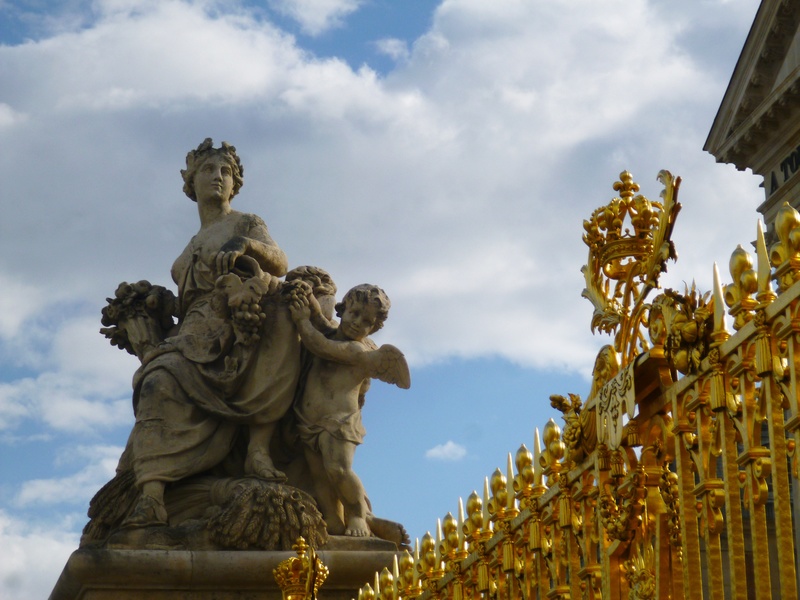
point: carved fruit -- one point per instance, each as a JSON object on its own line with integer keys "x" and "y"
{"x": 689, "y": 332}
{"x": 681, "y": 361}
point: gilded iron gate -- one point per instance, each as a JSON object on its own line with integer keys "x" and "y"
{"x": 675, "y": 477}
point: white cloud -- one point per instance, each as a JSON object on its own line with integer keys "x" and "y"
{"x": 33, "y": 556}
{"x": 394, "y": 48}
{"x": 41, "y": 527}
{"x": 208, "y": 59}
{"x": 63, "y": 401}
{"x": 449, "y": 451}
{"x": 11, "y": 440}
{"x": 83, "y": 383}
{"x": 18, "y": 300}
{"x": 98, "y": 466}
{"x": 459, "y": 182}
{"x": 317, "y": 16}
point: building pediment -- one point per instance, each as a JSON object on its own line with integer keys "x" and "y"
{"x": 763, "y": 95}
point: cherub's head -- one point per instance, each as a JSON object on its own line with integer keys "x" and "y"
{"x": 322, "y": 286}
{"x": 363, "y": 311}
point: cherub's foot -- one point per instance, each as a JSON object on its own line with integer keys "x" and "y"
{"x": 259, "y": 464}
{"x": 148, "y": 512}
{"x": 357, "y": 527}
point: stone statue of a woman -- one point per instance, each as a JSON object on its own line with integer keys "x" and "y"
{"x": 213, "y": 388}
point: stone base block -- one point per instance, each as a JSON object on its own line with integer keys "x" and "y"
{"x": 104, "y": 574}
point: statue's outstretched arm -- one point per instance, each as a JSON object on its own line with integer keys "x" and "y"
{"x": 255, "y": 242}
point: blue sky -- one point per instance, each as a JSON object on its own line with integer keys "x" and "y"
{"x": 446, "y": 151}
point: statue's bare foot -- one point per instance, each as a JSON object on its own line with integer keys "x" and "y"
{"x": 357, "y": 527}
{"x": 259, "y": 464}
{"x": 335, "y": 527}
{"x": 389, "y": 530}
{"x": 148, "y": 512}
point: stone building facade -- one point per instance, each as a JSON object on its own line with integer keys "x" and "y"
{"x": 757, "y": 126}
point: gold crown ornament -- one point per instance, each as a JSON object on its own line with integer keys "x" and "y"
{"x": 301, "y": 576}
{"x": 629, "y": 245}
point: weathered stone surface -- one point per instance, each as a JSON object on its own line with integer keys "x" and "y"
{"x": 103, "y": 574}
{"x": 247, "y": 407}
{"x": 327, "y": 408}
{"x": 248, "y": 399}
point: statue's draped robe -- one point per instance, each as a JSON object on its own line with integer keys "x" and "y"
{"x": 196, "y": 391}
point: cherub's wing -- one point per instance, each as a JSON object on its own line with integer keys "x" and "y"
{"x": 388, "y": 364}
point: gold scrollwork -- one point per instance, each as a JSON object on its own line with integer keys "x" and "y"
{"x": 625, "y": 262}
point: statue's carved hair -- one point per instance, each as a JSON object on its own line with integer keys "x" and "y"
{"x": 195, "y": 159}
{"x": 367, "y": 294}
{"x": 319, "y": 279}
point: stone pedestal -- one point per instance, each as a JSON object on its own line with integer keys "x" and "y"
{"x": 103, "y": 574}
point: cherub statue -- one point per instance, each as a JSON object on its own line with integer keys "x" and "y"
{"x": 328, "y": 411}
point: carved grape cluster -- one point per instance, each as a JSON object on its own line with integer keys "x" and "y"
{"x": 247, "y": 318}
{"x": 616, "y": 518}
{"x": 572, "y": 435}
{"x": 295, "y": 289}
{"x": 243, "y": 303}
{"x": 670, "y": 494}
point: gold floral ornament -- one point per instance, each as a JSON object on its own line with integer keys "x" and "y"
{"x": 682, "y": 324}
{"x": 629, "y": 245}
{"x": 640, "y": 572}
{"x": 301, "y": 576}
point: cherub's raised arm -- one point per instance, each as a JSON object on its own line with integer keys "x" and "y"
{"x": 318, "y": 320}
{"x": 341, "y": 351}
{"x": 386, "y": 363}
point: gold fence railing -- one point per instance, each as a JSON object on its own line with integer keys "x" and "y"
{"x": 675, "y": 478}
